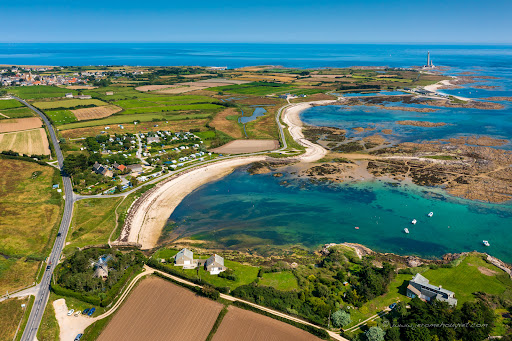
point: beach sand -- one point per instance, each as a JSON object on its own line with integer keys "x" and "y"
{"x": 146, "y": 221}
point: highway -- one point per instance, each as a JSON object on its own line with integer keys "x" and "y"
{"x": 43, "y": 293}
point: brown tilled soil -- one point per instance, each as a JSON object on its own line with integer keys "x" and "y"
{"x": 247, "y": 146}
{"x": 159, "y": 310}
{"x": 239, "y": 324}
{"x": 20, "y": 124}
{"x": 95, "y": 112}
{"x": 230, "y": 127}
{"x": 152, "y": 87}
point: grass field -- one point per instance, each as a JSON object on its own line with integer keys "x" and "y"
{"x": 68, "y": 103}
{"x": 9, "y": 104}
{"x": 122, "y": 119}
{"x": 93, "y": 221}
{"x": 255, "y": 88}
{"x": 16, "y": 273}
{"x": 29, "y": 142}
{"x": 31, "y": 213}
{"x": 470, "y": 276}
{"x": 40, "y": 91}
{"x": 10, "y": 316}
{"x": 16, "y": 113}
{"x": 284, "y": 280}
{"x": 60, "y": 117}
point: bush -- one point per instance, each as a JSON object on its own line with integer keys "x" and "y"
{"x": 210, "y": 292}
{"x": 375, "y": 334}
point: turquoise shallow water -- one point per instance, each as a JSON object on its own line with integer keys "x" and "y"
{"x": 243, "y": 210}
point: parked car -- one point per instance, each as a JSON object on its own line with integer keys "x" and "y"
{"x": 392, "y": 306}
{"x": 70, "y": 312}
{"x": 85, "y": 311}
{"x": 91, "y": 311}
{"x": 78, "y": 313}
{"x": 78, "y": 337}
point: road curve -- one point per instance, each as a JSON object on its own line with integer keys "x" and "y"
{"x": 43, "y": 292}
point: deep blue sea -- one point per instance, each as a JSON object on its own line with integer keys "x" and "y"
{"x": 243, "y": 210}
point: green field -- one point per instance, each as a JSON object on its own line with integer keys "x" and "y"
{"x": 40, "y": 91}
{"x": 93, "y": 221}
{"x": 186, "y": 107}
{"x": 255, "y": 88}
{"x": 120, "y": 119}
{"x": 9, "y": 104}
{"x": 16, "y": 113}
{"x": 60, "y": 117}
{"x": 68, "y": 103}
{"x": 10, "y": 316}
{"x": 283, "y": 280}
{"x": 466, "y": 278}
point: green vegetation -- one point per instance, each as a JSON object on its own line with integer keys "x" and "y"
{"x": 40, "y": 91}
{"x": 93, "y": 221}
{"x": 217, "y": 323}
{"x": 69, "y": 104}
{"x": 9, "y": 104}
{"x": 49, "y": 327}
{"x": 440, "y": 157}
{"x": 31, "y": 208}
{"x": 284, "y": 280}
{"x": 472, "y": 275}
{"x": 11, "y": 313}
{"x": 60, "y": 117}
{"x": 77, "y": 277}
{"x": 254, "y": 88}
{"x": 16, "y": 113}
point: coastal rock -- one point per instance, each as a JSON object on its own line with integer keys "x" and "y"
{"x": 421, "y": 123}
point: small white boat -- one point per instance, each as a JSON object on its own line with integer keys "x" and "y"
{"x": 486, "y": 243}
{"x": 414, "y": 221}
{"x": 430, "y": 214}
{"x": 406, "y": 230}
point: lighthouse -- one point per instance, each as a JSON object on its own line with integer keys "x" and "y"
{"x": 428, "y": 59}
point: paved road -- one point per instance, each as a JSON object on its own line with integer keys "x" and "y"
{"x": 43, "y": 293}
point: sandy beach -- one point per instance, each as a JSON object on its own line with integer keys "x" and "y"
{"x": 291, "y": 117}
{"x": 441, "y": 84}
{"x": 148, "y": 216}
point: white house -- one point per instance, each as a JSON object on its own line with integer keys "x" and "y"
{"x": 185, "y": 258}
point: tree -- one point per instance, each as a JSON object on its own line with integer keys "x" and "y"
{"x": 340, "y": 318}
{"x": 375, "y": 334}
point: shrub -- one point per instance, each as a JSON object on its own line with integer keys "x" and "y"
{"x": 340, "y": 318}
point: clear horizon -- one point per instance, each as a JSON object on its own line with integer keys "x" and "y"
{"x": 264, "y": 21}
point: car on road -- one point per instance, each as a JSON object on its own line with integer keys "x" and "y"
{"x": 392, "y": 306}
{"x": 48, "y": 267}
{"x": 78, "y": 337}
{"x": 59, "y": 234}
{"x": 85, "y": 311}
{"x": 71, "y": 312}
{"x": 91, "y": 311}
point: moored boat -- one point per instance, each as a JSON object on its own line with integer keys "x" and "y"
{"x": 406, "y": 230}
{"x": 430, "y": 214}
{"x": 414, "y": 221}
{"x": 486, "y": 243}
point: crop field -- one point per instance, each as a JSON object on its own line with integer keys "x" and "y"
{"x": 9, "y": 125}
{"x": 159, "y": 310}
{"x": 29, "y": 142}
{"x": 67, "y": 103}
{"x": 240, "y": 324}
{"x": 30, "y": 207}
{"x": 39, "y": 91}
{"x": 16, "y": 113}
{"x": 95, "y": 112}
{"x": 9, "y": 104}
{"x": 60, "y": 117}
{"x": 255, "y": 88}
{"x": 122, "y": 119}
{"x": 170, "y": 108}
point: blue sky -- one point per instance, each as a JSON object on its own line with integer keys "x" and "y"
{"x": 338, "y": 21}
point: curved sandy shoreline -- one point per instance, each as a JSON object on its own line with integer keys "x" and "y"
{"x": 148, "y": 215}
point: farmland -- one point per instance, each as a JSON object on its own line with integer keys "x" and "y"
{"x": 40, "y": 91}
{"x": 68, "y": 103}
{"x": 20, "y": 124}
{"x": 163, "y": 311}
{"x": 95, "y": 112}
{"x": 254, "y": 88}
{"x": 9, "y": 104}
{"x": 60, "y": 117}
{"x": 239, "y": 324}
{"x": 31, "y": 208}
{"x": 29, "y": 142}
{"x": 16, "y": 113}
{"x": 11, "y": 313}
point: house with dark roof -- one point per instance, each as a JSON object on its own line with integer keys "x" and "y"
{"x": 98, "y": 168}
{"x": 420, "y": 287}
{"x": 185, "y": 258}
{"x": 215, "y": 265}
